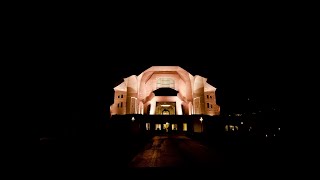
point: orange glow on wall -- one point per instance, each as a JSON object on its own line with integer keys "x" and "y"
{"x": 195, "y": 95}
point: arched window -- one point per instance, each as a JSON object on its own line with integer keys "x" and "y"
{"x": 165, "y": 112}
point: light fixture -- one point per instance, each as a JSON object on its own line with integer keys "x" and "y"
{"x": 132, "y": 118}
{"x": 165, "y": 105}
{"x": 201, "y": 124}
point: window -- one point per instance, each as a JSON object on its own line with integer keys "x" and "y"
{"x": 148, "y": 126}
{"x": 208, "y": 96}
{"x": 185, "y": 126}
{"x": 165, "y": 83}
{"x": 233, "y": 128}
{"x": 121, "y": 95}
{"x": 174, "y": 127}
{"x": 158, "y": 127}
{"x": 226, "y": 128}
{"x": 121, "y": 104}
{"x": 207, "y": 105}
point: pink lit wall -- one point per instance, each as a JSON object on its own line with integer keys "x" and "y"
{"x": 195, "y": 95}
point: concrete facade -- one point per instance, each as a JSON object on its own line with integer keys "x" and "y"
{"x": 135, "y": 95}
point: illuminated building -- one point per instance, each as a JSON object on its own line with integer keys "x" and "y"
{"x": 189, "y": 106}
{"x": 188, "y": 103}
{"x": 136, "y": 94}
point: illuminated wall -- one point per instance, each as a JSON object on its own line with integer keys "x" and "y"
{"x": 135, "y": 94}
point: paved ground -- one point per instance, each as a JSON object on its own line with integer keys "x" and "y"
{"x": 176, "y": 151}
{"x": 165, "y": 156}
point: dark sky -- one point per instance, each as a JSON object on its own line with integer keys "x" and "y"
{"x": 86, "y": 58}
{"x": 237, "y": 78}
{"x": 82, "y": 91}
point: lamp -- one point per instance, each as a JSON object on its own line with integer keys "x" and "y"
{"x": 201, "y": 119}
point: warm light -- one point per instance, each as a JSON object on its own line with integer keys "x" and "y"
{"x": 158, "y": 126}
{"x": 165, "y": 105}
{"x": 137, "y": 92}
{"x": 201, "y": 119}
{"x": 279, "y": 129}
{"x": 241, "y": 122}
{"x": 132, "y": 119}
{"x": 231, "y": 127}
{"x": 185, "y": 126}
{"x": 166, "y": 126}
{"x": 174, "y": 127}
{"x": 147, "y": 126}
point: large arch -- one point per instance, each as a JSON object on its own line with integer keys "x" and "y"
{"x": 190, "y": 99}
{"x": 149, "y": 82}
{"x": 146, "y": 76}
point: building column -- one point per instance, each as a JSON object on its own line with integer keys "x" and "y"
{"x": 190, "y": 108}
{"x": 152, "y": 107}
{"x": 140, "y": 110}
{"x": 178, "y": 107}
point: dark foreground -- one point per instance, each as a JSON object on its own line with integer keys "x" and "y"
{"x": 176, "y": 151}
{"x": 178, "y": 155}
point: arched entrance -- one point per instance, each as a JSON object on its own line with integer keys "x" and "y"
{"x": 165, "y": 112}
{"x": 165, "y": 108}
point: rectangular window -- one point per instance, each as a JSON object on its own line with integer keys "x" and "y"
{"x": 165, "y": 83}
{"x": 231, "y": 127}
{"x": 121, "y": 104}
{"x": 185, "y": 127}
{"x": 148, "y": 126}
{"x": 121, "y": 95}
{"x": 207, "y": 105}
{"x": 158, "y": 127}
{"x": 174, "y": 127}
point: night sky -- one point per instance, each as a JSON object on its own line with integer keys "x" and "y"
{"x": 85, "y": 60}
